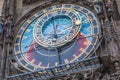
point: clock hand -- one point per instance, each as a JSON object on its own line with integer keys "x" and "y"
{"x": 59, "y": 33}
{"x": 77, "y": 23}
{"x": 58, "y": 53}
{"x": 64, "y": 23}
{"x": 52, "y": 32}
{"x": 58, "y": 21}
{"x": 54, "y": 27}
{"x": 68, "y": 28}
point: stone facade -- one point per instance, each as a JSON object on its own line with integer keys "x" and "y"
{"x": 108, "y": 53}
{"x": 1, "y": 6}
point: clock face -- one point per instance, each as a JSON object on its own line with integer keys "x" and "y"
{"x": 56, "y": 28}
{"x": 57, "y": 35}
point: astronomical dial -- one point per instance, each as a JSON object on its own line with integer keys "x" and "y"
{"x": 57, "y": 28}
{"x": 57, "y": 35}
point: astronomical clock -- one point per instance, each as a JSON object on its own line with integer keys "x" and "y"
{"x": 55, "y": 36}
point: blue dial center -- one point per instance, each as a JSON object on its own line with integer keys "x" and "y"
{"x": 57, "y": 26}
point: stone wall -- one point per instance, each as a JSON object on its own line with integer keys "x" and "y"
{"x": 118, "y": 4}
{"x": 19, "y": 7}
{"x": 1, "y": 6}
{"x": 27, "y": 8}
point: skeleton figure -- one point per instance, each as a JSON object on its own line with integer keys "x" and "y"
{"x": 109, "y": 4}
{"x": 98, "y": 6}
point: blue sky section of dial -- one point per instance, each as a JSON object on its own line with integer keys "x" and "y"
{"x": 27, "y": 39}
{"x": 86, "y": 28}
{"x": 60, "y": 22}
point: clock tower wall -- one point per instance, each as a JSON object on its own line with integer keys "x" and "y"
{"x": 19, "y": 8}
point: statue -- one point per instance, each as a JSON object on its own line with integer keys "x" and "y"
{"x": 98, "y": 6}
{"x": 9, "y": 25}
{"x": 109, "y": 5}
